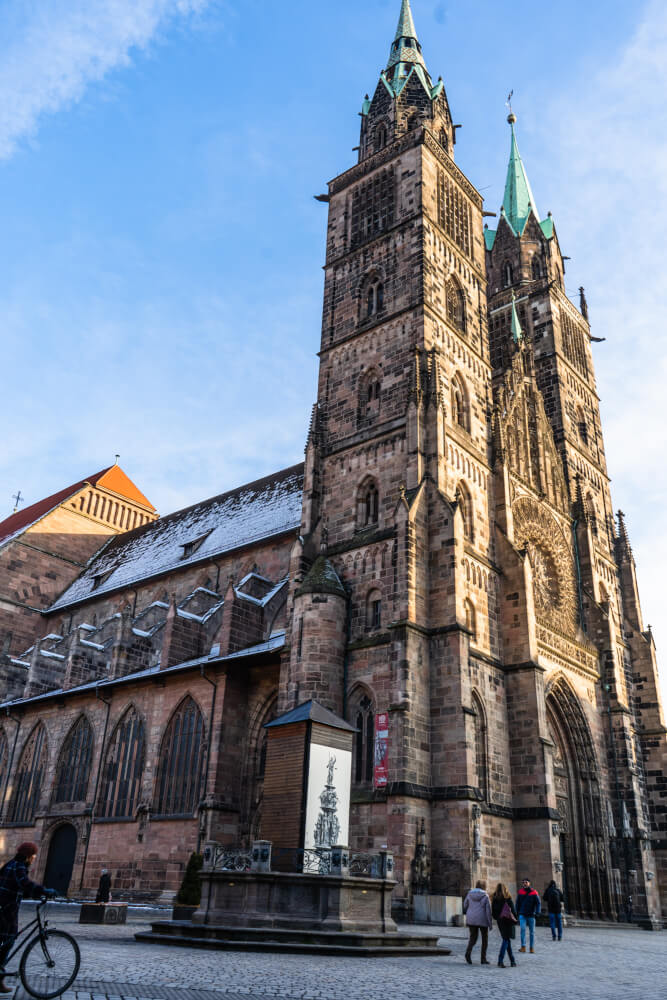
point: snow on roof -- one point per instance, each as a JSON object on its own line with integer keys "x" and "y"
{"x": 243, "y": 516}
{"x": 276, "y": 642}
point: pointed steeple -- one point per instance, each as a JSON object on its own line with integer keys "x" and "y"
{"x": 405, "y": 53}
{"x": 518, "y": 201}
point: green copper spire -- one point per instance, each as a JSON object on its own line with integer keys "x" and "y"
{"x": 517, "y": 332}
{"x": 406, "y": 26}
{"x": 405, "y": 54}
{"x": 518, "y": 201}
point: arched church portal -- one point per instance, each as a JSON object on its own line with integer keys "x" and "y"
{"x": 584, "y": 841}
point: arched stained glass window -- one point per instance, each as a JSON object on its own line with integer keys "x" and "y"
{"x": 74, "y": 764}
{"x": 29, "y": 777}
{"x": 363, "y": 717}
{"x": 181, "y": 764}
{"x": 123, "y": 768}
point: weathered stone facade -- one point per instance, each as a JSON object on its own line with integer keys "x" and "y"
{"x": 447, "y": 555}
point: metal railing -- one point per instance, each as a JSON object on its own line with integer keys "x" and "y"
{"x": 262, "y": 856}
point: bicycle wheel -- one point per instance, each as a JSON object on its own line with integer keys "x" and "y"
{"x": 49, "y": 965}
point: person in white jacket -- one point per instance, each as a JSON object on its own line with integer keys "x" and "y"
{"x": 477, "y": 908}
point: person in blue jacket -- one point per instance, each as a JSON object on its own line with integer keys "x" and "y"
{"x": 14, "y": 885}
{"x": 528, "y": 907}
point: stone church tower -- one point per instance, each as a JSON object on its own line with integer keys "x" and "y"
{"x": 458, "y": 565}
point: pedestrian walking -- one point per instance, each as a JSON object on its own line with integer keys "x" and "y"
{"x": 528, "y": 907}
{"x": 14, "y": 885}
{"x": 554, "y": 899}
{"x": 477, "y": 908}
{"x": 504, "y": 913}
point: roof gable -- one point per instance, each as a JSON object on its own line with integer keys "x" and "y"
{"x": 22, "y": 519}
{"x": 115, "y": 480}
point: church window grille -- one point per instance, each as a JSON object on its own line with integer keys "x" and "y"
{"x": 73, "y": 769}
{"x": 181, "y": 766}
{"x": 29, "y": 777}
{"x": 480, "y": 746}
{"x": 363, "y": 717}
{"x": 536, "y": 268}
{"x": 456, "y": 313}
{"x": 123, "y": 769}
{"x": 573, "y": 344}
{"x": 454, "y": 213}
{"x": 373, "y": 207}
{"x": 508, "y": 275}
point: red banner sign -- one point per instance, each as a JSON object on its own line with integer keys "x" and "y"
{"x": 380, "y": 768}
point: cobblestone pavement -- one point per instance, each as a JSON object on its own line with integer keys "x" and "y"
{"x": 589, "y": 964}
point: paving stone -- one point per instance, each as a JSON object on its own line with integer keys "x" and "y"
{"x": 589, "y": 964}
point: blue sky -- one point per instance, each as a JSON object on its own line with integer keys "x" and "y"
{"x": 161, "y": 251}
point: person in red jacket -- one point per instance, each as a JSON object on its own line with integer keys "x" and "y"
{"x": 527, "y": 906}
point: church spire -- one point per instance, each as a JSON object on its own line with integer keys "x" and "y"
{"x": 405, "y": 52}
{"x": 518, "y": 201}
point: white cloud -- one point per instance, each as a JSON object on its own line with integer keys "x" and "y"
{"x": 609, "y": 136}
{"x": 53, "y": 49}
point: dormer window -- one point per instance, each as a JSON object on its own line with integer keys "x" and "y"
{"x": 101, "y": 578}
{"x": 189, "y": 548}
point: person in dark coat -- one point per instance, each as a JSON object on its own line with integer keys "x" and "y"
{"x": 506, "y": 925}
{"x": 104, "y": 887}
{"x": 528, "y": 907}
{"x": 477, "y": 909}
{"x": 554, "y": 899}
{"x": 14, "y": 885}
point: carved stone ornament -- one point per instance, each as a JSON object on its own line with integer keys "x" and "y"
{"x": 554, "y": 592}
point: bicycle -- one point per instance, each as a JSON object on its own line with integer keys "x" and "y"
{"x": 50, "y": 960}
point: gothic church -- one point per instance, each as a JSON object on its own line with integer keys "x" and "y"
{"x": 447, "y": 555}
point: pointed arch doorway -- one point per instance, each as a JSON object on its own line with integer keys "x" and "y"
{"x": 60, "y": 859}
{"x": 584, "y": 842}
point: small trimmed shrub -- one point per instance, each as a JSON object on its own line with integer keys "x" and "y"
{"x": 190, "y": 892}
